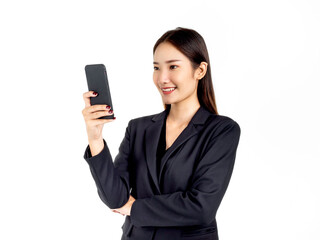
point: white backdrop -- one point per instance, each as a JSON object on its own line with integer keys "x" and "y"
{"x": 265, "y": 58}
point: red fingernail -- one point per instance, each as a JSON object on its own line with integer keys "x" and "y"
{"x": 110, "y": 111}
{"x": 95, "y": 93}
{"x": 114, "y": 118}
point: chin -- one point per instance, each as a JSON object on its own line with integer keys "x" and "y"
{"x": 169, "y": 102}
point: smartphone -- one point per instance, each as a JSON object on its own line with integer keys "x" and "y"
{"x": 97, "y": 81}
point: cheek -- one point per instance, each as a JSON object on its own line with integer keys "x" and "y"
{"x": 181, "y": 78}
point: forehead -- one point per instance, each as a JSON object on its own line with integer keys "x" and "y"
{"x": 166, "y": 51}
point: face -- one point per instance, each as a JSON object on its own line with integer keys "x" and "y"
{"x": 172, "y": 69}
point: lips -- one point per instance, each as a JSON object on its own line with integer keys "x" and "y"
{"x": 168, "y": 91}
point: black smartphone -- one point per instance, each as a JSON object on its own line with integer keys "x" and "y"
{"x": 97, "y": 80}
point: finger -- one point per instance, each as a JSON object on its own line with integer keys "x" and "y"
{"x": 97, "y": 115}
{"x": 86, "y": 98}
{"x": 97, "y": 122}
{"x": 117, "y": 212}
{"x": 98, "y": 107}
{"x": 96, "y": 111}
{"x": 102, "y": 121}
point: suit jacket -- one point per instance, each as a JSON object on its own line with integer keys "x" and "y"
{"x": 194, "y": 175}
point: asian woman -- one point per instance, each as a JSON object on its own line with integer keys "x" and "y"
{"x": 173, "y": 167}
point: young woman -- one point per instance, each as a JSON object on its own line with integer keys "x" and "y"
{"x": 173, "y": 168}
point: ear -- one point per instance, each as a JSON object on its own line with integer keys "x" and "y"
{"x": 201, "y": 70}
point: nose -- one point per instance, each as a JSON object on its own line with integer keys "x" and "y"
{"x": 162, "y": 77}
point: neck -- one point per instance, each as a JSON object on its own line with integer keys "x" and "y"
{"x": 181, "y": 114}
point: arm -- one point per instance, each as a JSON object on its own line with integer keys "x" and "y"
{"x": 112, "y": 179}
{"x": 199, "y": 204}
{"x": 96, "y": 146}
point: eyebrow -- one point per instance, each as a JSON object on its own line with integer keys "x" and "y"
{"x": 169, "y": 61}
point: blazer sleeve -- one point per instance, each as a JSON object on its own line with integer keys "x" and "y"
{"x": 199, "y": 204}
{"x": 112, "y": 178}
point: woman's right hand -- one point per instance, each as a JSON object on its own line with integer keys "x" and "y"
{"x": 91, "y": 114}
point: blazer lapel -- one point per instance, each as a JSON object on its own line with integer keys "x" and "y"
{"x": 151, "y": 144}
{"x": 153, "y": 134}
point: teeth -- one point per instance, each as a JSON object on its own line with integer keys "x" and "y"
{"x": 168, "y": 89}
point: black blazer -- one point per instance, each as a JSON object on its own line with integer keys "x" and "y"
{"x": 194, "y": 175}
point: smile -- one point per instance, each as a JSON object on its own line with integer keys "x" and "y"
{"x": 168, "y": 90}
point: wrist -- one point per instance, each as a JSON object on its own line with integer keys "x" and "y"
{"x": 96, "y": 146}
{"x": 95, "y": 140}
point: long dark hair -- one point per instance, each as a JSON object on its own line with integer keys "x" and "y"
{"x": 192, "y": 45}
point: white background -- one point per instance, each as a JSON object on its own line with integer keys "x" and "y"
{"x": 265, "y": 58}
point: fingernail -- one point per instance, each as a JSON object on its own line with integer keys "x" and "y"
{"x": 108, "y": 107}
{"x": 114, "y": 118}
{"x": 95, "y": 93}
{"x": 110, "y": 111}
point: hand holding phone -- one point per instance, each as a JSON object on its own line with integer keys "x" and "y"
{"x": 96, "y": 113}
{"x": 97, "y": 81}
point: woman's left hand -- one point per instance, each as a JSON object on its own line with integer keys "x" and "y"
{"x": 125, "y": 209}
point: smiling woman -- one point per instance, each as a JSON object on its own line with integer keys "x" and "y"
{"x": 186, "y": 49}
{"x": 173, "y": 168}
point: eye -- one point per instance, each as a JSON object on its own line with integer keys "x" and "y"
{"x": 155, "y": 68}
{"x": 173, "y": 66}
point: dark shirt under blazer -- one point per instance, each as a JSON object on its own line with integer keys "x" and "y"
{"x": 180, "y": 198}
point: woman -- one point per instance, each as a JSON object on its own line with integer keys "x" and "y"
{"x": 173, "y": 168}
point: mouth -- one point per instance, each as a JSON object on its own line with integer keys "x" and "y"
{"x": 168, "y": 90}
